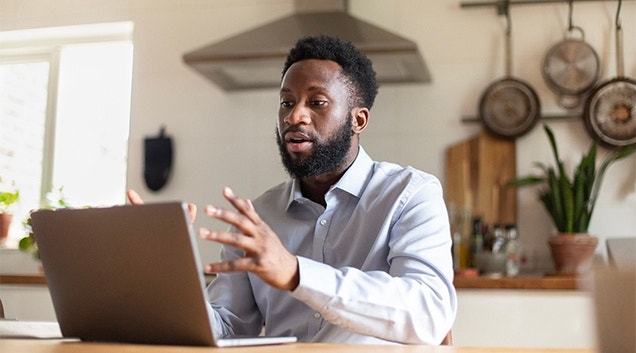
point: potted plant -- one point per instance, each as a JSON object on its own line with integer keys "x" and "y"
{"x": 570, "y": 203}
{"x": 54, "y": 200}
{"x": 8, "y": 196}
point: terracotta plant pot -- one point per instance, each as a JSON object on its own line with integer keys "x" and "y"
{"x": 5, "y": 222}
{"x": 572, "y": 253}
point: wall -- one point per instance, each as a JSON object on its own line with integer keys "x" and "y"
{"x": 227, "y": 139}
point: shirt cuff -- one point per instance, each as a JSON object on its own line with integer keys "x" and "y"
{"x": 317, "y": 283}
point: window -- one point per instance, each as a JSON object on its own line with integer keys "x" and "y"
{"x": 64, "y": 112}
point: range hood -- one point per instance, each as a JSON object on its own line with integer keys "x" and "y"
{"x": 254, "y": 59}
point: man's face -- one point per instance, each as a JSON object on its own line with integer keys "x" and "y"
{"x": 315, "y": 124}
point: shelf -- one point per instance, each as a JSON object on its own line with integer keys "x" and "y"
{"x": 529, "y": 282}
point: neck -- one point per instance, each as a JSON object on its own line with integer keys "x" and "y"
{"x": 315, "y": 188}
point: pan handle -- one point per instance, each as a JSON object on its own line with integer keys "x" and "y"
{"x": 508, "y": 43}
{"x": 620, "y": 65}
{"x": 570, "y": 34}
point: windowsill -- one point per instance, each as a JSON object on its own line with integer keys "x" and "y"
{"x": 36, "y": 279}
{"x": 16, "y": 262}
{"x": 39, "y": 279}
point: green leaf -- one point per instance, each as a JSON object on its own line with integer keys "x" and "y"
{"x": 570, "y": 202}
{"x": 525, "y": 181}
{"x": 25, "y": 243}
{"x": 612, "y": 157}
{"x": 556, "y": 200}
{"x": 567, "y": 202}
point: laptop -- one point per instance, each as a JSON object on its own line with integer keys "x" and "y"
{"x": 128, "y": 274}
{"x": 621, "y": 252}
{"x": 614, "y": 298}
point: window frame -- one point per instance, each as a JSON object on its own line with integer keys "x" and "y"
{"x": 46, "y": 45}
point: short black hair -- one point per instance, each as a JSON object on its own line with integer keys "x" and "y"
{"x": 356, "y": 66}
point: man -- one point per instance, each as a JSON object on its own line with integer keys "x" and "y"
{"x": 349, "y": 250}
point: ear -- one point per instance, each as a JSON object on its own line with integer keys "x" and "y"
{"x": 360, "y": 118}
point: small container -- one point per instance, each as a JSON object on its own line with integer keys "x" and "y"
{"x": 513, "y": 251}
{"x": 491, "y": 264}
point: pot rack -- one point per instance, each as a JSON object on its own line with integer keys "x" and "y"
{"x": 502, "y": 7}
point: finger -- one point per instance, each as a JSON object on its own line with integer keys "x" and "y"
{"x": 236, "y": 240}
{"x": 236, "y": 219}
{"x": 242, "y": 205}
{"x": 240, "y": 264}
{"x": 192, "y": 208}
{"x": 134, "y": 197}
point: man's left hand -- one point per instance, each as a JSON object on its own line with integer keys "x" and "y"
{"x": 264, "y": 256}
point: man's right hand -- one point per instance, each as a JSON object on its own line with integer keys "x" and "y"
{"x": 135, "y": 199}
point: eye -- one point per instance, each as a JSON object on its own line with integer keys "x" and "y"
{"x": 318, "y": 102}
{"x": 286, "y": 104}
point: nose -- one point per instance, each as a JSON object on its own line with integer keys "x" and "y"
{"x": 299, "y": 114}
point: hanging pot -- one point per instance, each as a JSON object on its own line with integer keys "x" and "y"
{"x": 610, "y": 110}
{"x": 509, "y": 107}
{"x": 571, "y": 68}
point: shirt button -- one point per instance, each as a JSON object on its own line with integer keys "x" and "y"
{"x": 317, "y": 315}
{"x": 323, "y": 222}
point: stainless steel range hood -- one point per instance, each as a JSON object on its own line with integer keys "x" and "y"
{"x": 254, "y": 59}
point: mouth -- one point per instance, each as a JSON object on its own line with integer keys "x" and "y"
{"x": 297, "y": 141}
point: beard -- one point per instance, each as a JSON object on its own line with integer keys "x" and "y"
{"x": 325, "y": 157}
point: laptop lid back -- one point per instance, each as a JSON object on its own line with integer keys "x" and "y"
{"x": 125, "y": 273}
{"x": 621, "y": 252}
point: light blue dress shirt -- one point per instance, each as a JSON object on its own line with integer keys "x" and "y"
{"x": 375, "y": 264}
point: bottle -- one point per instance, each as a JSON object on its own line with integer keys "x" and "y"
{"x": 457, "y": 251}
{"x": 513, "y": 251}
{"x": 478, "y": 240}
{"x": 466, "y": 235}
{"x": 499, "y": 239}
{"x": 455, "y": 226}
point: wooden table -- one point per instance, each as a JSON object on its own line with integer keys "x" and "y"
{"x": 57, "y": 346}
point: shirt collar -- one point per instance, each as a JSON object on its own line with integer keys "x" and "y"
{"x": 359, "y": 170}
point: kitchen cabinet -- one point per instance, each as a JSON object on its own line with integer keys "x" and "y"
{"x": 524, "y": 318}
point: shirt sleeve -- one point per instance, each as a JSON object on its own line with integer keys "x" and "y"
{"x": 415, "y": 301}
{"x": 231, "y": 313}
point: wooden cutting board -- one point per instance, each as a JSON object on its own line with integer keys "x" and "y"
{"x": 477, "y": 171}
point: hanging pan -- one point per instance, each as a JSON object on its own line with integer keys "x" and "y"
{"x": 509, "y": 107}
{"x": 571, "y": 67}
{"x": 610, "y": 110}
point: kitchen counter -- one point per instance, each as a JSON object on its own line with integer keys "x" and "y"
{"x": 514, "y": 307}
{"x": 461, "y": 282}
{"x": 523, "y": 282}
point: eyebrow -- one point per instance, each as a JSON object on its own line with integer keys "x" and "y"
{"x": 311, "y": 88}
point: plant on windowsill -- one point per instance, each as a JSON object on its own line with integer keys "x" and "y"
{"x": 8, "y": 197}
{"x": 570, "y": 203}
{"x": 54, "y": 200}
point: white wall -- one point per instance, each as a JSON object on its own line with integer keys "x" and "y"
{"x": 227, "y": 139}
